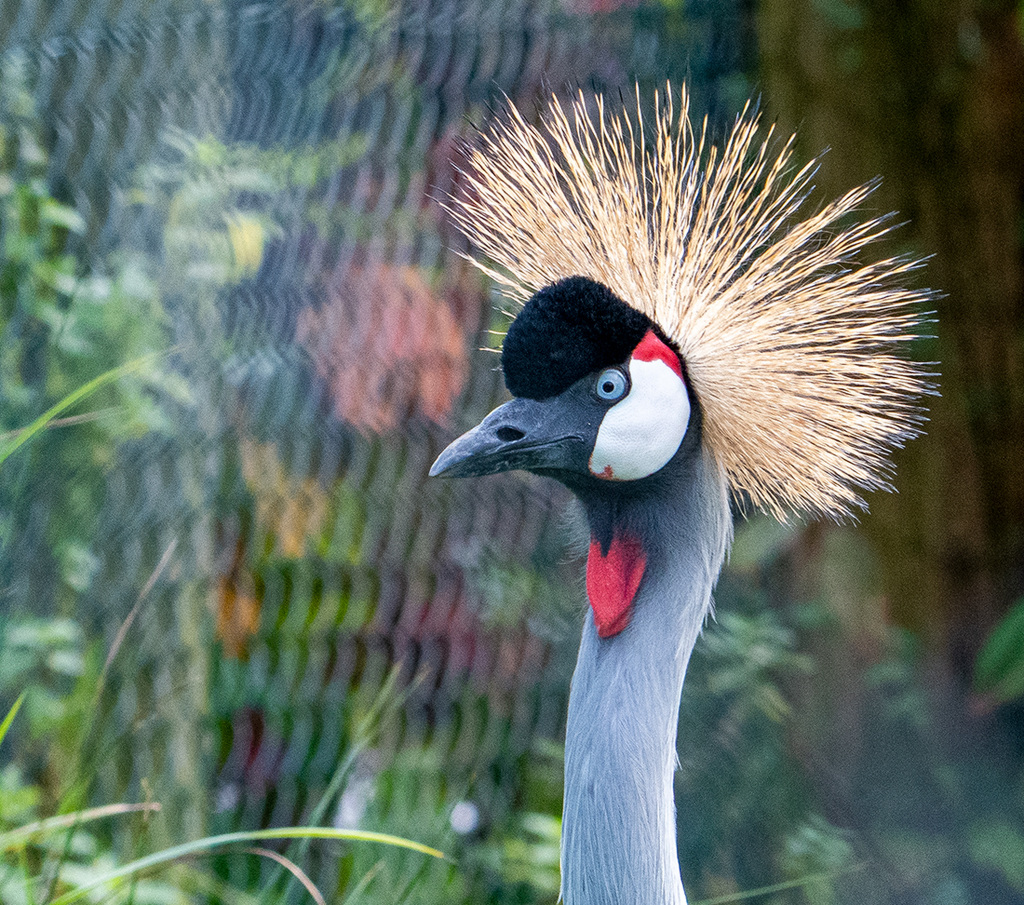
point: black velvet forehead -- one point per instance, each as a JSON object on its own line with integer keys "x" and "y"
{"x": 564, "y": 332}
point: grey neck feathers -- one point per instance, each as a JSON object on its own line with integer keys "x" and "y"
{"x": 619, "y": 824}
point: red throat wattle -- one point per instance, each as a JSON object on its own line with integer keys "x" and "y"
{"x": 612, "y": 582}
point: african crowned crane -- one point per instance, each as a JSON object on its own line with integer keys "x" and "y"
{"x": 684, "y": 334}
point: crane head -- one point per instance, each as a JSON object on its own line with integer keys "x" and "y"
{"x": 600, "y": 395}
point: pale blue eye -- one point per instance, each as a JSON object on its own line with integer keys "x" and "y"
{"x": 611, "y": 385}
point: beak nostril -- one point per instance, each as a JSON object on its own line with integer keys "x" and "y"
{"x": 509, "y": 434}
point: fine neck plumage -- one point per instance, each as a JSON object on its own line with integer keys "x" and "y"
{"x": 619, "y": 822}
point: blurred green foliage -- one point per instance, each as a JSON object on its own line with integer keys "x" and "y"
{"x": 999, "y": 668}
{"x": 224, "y": 203}
{"x": 58, "y": 670}
{"x": 60, "y": 328}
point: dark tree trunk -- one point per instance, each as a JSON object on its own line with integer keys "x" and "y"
{"x": 930, "y": 95}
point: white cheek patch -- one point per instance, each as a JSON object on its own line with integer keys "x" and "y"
{"x": 641, "y": 433}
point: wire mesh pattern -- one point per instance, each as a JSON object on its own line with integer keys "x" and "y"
{"x": 301, "y": 626}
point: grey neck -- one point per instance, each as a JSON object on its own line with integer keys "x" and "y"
{"x": 619, "y": 823}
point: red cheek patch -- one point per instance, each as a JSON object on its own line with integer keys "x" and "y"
{"x": 612, "y": 582}
{"x": 653, "y": 349}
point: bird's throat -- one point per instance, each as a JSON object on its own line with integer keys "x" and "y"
{"x": 614, "y": 572}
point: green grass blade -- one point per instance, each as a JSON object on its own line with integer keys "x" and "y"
{"x": 11, "y": 714}
{"x": 22, "y": 834}
{"x": 201, "y": 846}
{"x": 22, "y": 436}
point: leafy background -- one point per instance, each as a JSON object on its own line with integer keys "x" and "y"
{"x": 230, "y": 596}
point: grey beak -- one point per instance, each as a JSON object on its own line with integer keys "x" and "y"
{"x": 535, "y": 435}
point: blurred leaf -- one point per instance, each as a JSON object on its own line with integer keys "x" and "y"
{"x": 999, "y": 669}
{"x": 999, "y": 845}
{"x": 817, "y": 853}
{"x": 531, "y": 854}
{"x": 759, "y": 541}
{"x": 843, "y": 15}
{"x": 18, "y": 801}
{"x": 58, "y": 214}
{"x": 57, "y": 274}
{"x": 78, "y": 565}
{"x": 42, "y": 634}
{"x": 294, "y": 509}
{"x": 248, "y": 235}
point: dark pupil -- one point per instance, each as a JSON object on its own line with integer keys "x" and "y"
{"x": 608, "y": 387}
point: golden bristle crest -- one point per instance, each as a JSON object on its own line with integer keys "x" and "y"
{"x": 791, "y": 344}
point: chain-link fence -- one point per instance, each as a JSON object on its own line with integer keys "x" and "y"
{"x": 282, "y": 620}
